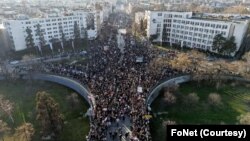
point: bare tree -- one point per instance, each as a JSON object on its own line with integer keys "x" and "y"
{"x": 244, "y": 118}
{"x": 192, "y": 98}
{"x": 3, "y": 129}
{"x": 214, "y": 99}
{"x": 169, "y": 97}
{"x": 73, "y": 100}
{"x": 7, "y": 107}
{"x": 25, "y": 132}
{"x": 49, "y": 115}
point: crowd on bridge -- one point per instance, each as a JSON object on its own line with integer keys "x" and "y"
{"x": 120, "y": 83}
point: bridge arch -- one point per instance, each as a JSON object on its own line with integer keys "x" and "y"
{"x": 182, "y": 79}
{"x": 68, "y": 82}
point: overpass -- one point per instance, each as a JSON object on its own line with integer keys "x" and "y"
{"x": 68, "y": 82}
{"x": 182, "y": 79}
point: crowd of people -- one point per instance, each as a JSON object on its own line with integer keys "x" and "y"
{"x": 120, "y": 83}
{"x": 114, "y": 78}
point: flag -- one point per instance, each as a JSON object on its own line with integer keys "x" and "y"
{"x": 73, "y": 45}
{"x": 39, "y": 47}
{"x": 51, "y": 46}
{"x": 148, "y": 116}
{"x": 62, "y": 45}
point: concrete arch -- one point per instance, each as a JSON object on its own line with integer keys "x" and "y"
{"x": 70, "y": 83}
{"x": 182, "y": 79}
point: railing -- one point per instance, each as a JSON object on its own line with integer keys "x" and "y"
{"x": 73, "y": 84}
{"x": 154, "y": 93}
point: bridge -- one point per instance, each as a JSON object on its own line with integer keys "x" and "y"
{"x": 182, "y": 79}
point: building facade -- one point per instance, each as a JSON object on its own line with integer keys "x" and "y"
{"x": 185, "y": 29}
{"x": 52, "y": 27}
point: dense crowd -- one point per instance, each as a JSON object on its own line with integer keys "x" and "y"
{"x": 114, "y": 78}
{"x": 120, "y": 83}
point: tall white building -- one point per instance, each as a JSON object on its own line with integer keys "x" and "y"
{"x": 51, "y": 26}
{"x": 185, "y": 29}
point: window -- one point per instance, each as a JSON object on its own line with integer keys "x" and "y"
{"x": 218, "y": 26}
{"x": 158, "y": 25}
{"x": 159, "y": 14}
{"x": 158, "y": 30}
{"x": 53, "y": 20}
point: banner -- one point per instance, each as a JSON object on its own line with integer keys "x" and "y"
{"x": 51, "y": 46}
{"x": 62, "y": 45}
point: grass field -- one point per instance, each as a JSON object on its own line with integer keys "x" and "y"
{"x": 23, "y": 94}
{"x": 235, "y": 101}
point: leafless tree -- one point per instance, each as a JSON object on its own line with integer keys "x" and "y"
{"x": 169, "y": 97}
{"x": 25, "y": 132}
{"x": 214, "y": 99}
{"x": 244, "y": 118}
{"x": 4, "y": 128}
{"x": 7, "y": 107}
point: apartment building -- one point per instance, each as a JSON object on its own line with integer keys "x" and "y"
{"x": 186, "y": 29}
{"x": 51, "y": 27}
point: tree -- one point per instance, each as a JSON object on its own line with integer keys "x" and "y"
{"x": 90, "y": 21}
{"x": 229, "y": 46}
{"x": 192, "y": 98}
{"x": 240, "y": 9}
{"x": 29, "y": 38}
{"x": 77, "y": 38}
{"x": 244, "y": 118}
{"x": 73, "y": 100}
{"x": 85, "y": 36}
{"x": 218, "y": 43}
{"x": 164, "y": 33}
{"x": 48, "y": 114}
{"x": 214, "y": 99}
{"x": 40, "y": 35}
{"x": 3, "y": 129}
{"x": 169, "y": 97}
{"x": 25, "y": 132}
{"x": 141, "y": 25}
{"x": 7, "y": 107}
{"x": 63, "y": 39}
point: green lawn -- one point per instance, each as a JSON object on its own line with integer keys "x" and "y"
{"x": 235, "y": 101}
{"x": 23, "y": 94}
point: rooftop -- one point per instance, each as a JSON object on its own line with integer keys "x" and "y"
{"x": 220, "y": 17}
